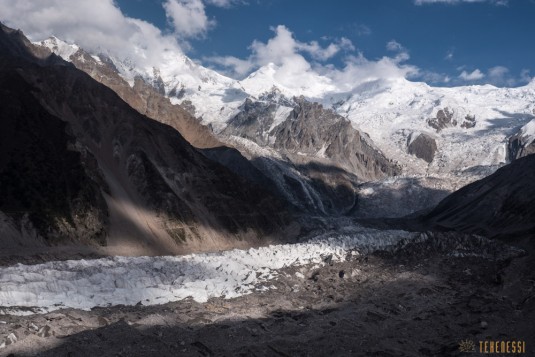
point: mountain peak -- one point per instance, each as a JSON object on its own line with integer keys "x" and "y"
{"x": 59, "y": 47}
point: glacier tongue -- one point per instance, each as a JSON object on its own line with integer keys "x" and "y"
{"x": 84, "y": 284}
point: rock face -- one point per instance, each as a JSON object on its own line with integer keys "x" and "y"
{"x": 83, "y": 165}
{"x": 502, "y": 204}
{"x": 320, "y": 158}
{"x": 445, "y": 119}
{"x": 423, "y": 147}
{"x": 523, "y": 142}
{"x": 43, "y": 176}
{"x": 308, "y": 129}
{"x": 313, "y": 130}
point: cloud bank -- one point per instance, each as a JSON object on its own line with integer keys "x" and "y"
{"x": 97, "y": 26}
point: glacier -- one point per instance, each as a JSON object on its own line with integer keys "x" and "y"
{"x": 120, "y": 280}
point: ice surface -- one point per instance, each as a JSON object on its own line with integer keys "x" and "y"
{"x": 85, "y": 284}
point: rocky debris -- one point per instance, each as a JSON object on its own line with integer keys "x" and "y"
{"x": 423, "y": 146}
{"x": 45, "y": 331}
{"x": 469, "y": 121}
{"x": 11, "y": 339}
{"x": 444, "y": 119}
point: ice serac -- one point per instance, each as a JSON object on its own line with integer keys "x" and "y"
{"x": 470, "y": 125}
{"x": 502, "y": 204}
{"x": 137, "y": 181}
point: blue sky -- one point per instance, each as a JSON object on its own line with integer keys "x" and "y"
{"x": 442, "y": 38}
{"x": 442, "y": 42}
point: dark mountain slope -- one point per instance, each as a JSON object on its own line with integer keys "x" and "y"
{"x": 502, "y": 204}
{"x": 160, "y": 193}
{"x": 40, "y": 173}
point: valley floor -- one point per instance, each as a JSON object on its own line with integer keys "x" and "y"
{"x": 419, "y": 299}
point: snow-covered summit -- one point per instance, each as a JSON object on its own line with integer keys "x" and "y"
{"x": 60, "y": 47}
{"x": 309, "y": 84}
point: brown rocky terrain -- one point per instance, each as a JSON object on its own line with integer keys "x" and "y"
{"x": 146, "y": 99}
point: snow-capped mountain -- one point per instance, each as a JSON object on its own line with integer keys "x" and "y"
{"x": 393, "y": 112}
{"x": 470, "y": 125}
{"x": 214, "y": 96}
{"x": 317, "y": 153}
{"x": 442, "y": 137}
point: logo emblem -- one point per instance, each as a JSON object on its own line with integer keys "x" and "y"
{"x": 467, "y": 346}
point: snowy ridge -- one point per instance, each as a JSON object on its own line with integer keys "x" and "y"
{"x": 388, "y": 110}
{"x": 391, "y": 110}
{"x": 84, "y": 284}
{"x": 60, "y": 48}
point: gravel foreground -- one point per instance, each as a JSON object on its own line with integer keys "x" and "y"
{"x": 419, "y": 300}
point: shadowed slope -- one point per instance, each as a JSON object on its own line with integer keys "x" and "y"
{"x": 498, "y": 205}
{"x": 162, "y": 194}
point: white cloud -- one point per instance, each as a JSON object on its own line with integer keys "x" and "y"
{"x": 283, "y": 50}
{"x": 100, "y": 26}
{"x": 97, "y": 25}
{"x": 449, "y": 55}
{"x": 498, "y": 72}
{"x": 359, "y": 69}
{"x": 188, "y": 17}
{"x": 501, "y": 76}
{"x": 231, "y": 66}
{"x": 453, "y": 2}
{"x": 497, "y": 75}
{"x": 223, "y": 3}
{"x": 431, "y": 77}
{"x": 402, "y": 53}
{"x": 525, "y": 76}
{"x": 294, "y": 71}
{"x": 393, "y": 45}
{"x": 473, "y": 76}
{"x": 356, "y": 29}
